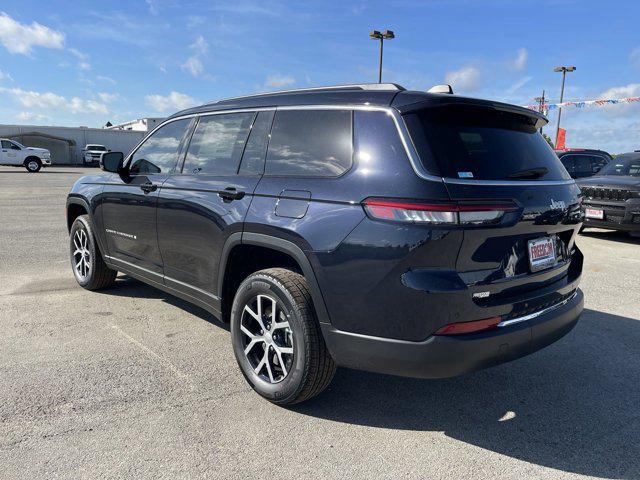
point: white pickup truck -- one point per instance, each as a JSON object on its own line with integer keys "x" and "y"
{"x": 17, "y": 155}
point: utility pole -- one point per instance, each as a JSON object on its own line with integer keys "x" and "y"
{"x": 564, "y": 71}
{"x": 382, "y": 36}
{"x": 541, "y": 104}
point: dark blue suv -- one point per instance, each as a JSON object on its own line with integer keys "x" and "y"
{"x": 365, "y": 226}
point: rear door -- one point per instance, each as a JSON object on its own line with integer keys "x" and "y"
{"x": 205, "y": 202}
{"x": 488, "y": 156}
{"x": 129, "y": 207}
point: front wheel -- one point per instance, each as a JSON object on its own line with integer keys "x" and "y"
{"x": 276, "y": 337}
{"x": 33, "y": 165}
{"x": 86, "y": 261}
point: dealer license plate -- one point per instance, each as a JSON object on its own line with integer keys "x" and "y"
{"x": 542, "y": 253}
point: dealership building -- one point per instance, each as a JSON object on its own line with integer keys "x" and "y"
{"x": 66, "y": 143}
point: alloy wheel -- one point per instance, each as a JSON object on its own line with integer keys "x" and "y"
{"x": 33, "y": 165}
{"x": 81, "y": 254}
{"x": 267, "y": 338}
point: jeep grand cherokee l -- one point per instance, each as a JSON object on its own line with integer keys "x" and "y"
{"x": 612, "y": 198}
{"x": 365, "y": 226}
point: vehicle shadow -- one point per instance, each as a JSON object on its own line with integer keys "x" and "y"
{"x": 573, "y": 406}
{"x": 611, "y": 235}
{"x": 131, "y": 288}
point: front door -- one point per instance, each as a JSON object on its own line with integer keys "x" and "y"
{"x": 200, "y": 207}
{"x": 129, "y": 205}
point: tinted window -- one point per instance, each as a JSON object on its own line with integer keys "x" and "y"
{"x": 159, "y": 152}
{"x": 6, "y": 144}
{"x": 314, "y": 143}
{"x": 254, "y": 152}
{"x": 217, "y": 144}
{"x": 480, "y": 144}
{"x": 623, "y": 165}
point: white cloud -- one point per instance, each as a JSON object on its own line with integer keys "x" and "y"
{"x": 30, "y": 116}
{"x": 173, "y": 101}
{"x": 200, "y": 45}
{"x": 193, "y": 65}
{"x": 108, "y": 97}
{"x": 466, "y": 79}
{"x": 195, "y": 20}
{"x": 279, "y": 81}
{"x": 102, "y": 78}
{"x": 52, "y": 101}
{"x": 21, "y": 38}
{"x": 631, "y": 90}
{"x": 521, "y": 59}
{"x": 5, "y": 76}
{"x": 518, "y": 85}
{"x": 153, "y": 6}
{"x": 78, "y": 54}
{"x": 84, "y": 66}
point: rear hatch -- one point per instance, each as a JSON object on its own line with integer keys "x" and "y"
{"x": 523, "y": 258}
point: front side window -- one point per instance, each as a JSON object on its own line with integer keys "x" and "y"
{"x": 159, "y": 152}
{"x": 472, "y": 143}
{"x": 6, "y": 144}
{"x": 316, "y": 143}
{"x": 217, "y": 144}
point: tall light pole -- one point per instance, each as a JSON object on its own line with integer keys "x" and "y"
{"x": 382, "y": 36}
{"x": 564, "y": 71}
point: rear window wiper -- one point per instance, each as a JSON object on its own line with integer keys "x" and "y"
{"x": 529, "y": 173}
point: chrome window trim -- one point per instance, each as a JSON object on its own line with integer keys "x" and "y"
{"x": 531, "y": 316}
{"x": 401, "y": 128}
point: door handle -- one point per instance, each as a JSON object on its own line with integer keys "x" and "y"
{"x": 231, "y": 193}
{"x": 148, "y": 187}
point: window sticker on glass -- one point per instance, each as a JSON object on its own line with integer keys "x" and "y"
{"x": 465, "y": 174}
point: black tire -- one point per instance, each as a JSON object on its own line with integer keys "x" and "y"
{"x": 311, "y": 367}
{"x": 96, "y": 273}
{"x": 33, "y": 164}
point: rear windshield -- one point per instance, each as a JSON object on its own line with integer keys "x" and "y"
{"x": 623, "y": 166}
{"x": 479, "y": 144}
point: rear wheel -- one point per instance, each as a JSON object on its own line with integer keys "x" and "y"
{"x": 276, "y": 337}
{"x": 33, "y": 165}
{"x": 86, "y": 261}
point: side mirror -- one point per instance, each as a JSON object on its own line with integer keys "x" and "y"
{"x": 112, "y": 162}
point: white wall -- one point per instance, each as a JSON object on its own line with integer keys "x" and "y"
{"x": 116, "y": 140}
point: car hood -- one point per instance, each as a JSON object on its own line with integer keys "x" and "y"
{"x": 609, "y": 181}
{"x": 37, "y": 150}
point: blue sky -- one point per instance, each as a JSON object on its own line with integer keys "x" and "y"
{"x": 83, "y": 63}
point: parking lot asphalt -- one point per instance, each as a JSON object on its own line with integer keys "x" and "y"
{"x": 134, "y": 383}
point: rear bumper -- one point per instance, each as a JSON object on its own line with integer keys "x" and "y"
{"x": 448, "y": 356}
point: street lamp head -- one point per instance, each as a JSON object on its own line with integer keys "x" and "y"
{"x": 564, "y": 69}
{"x": 375, "y": 34}
{"x": 388, "y": 34}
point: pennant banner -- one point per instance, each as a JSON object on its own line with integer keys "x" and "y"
{"x": 585, "y": 103}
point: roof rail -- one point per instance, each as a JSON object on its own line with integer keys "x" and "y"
{"x": 357, "y": 86}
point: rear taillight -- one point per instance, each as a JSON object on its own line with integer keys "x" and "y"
{"x": 469, "y": 327}
{"x": 437, "y": 213}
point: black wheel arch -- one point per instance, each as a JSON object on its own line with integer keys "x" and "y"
{"x": 281, "y": 245}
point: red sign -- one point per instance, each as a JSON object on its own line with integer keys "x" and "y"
{"x": 561, "y": 140}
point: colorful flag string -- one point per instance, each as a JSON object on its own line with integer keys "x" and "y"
{"x": 584, "y": 103}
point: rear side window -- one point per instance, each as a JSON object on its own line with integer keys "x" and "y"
{"x": 254, "y": 152}
{"x": 315, "y": 143}
{"x": 217, "y": 144}
{"x": 159, "y": 152}
{"x": 480, "y": 144}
